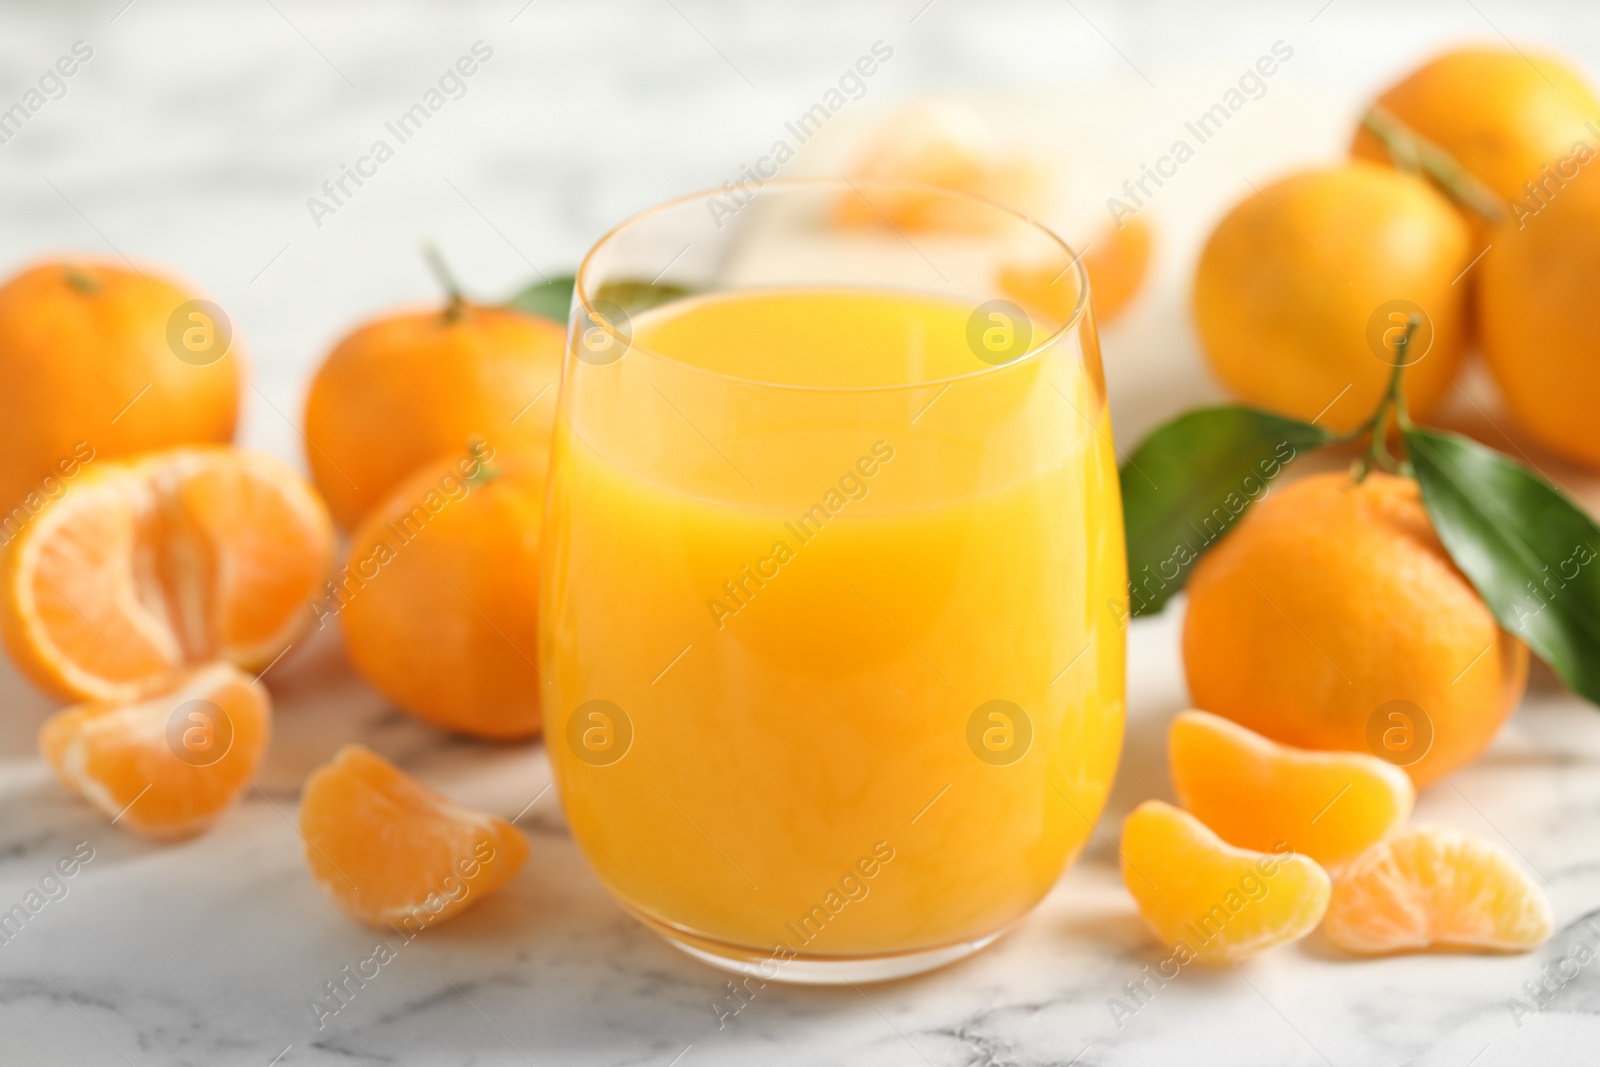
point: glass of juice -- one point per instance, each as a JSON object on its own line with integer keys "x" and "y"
{"x": 833, "y": 582}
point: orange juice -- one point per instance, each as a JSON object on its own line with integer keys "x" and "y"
{"x": 833, "y": 616}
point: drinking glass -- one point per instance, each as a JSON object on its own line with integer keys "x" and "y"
{"x": 833, "y": 583}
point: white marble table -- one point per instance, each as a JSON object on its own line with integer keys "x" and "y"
{"x": 194, "y": 137}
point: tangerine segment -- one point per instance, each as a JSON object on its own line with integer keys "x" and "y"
{"x": 169, "y": 763}
{"x": 1116, "y": 260}
{"x": 1209, "y": 900}
{"x": 1430, "y": 885}
{"x": 1254, "y": 793}
{"x": 147, "y": 567}
{"x": 390, "y": 850}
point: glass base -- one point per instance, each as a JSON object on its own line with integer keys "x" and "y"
{"x": 815, "y": 970}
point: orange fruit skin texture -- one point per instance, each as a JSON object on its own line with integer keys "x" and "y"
{"x": 1502, "y": 113}
{"x": 1330, "y": 806}
{"x": 391, "y": 851}
{"x": 405, "y": 389}
{"x": 447, "y": 627}
{"x": 1332, "y": 598}
{"x": 1433, "y": 886}
{"x": 1536, "y": 297}
{"x": 1286, "y": 329}
{"x": 71, "y": 361}
{"x": 1223, "y": 903}
{"x": 148, "y": 567}
{"x": 119, "y": 756}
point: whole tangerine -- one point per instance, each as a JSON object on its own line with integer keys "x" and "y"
{"x": 440, "y": 593}
{"x": 102, "y": 361}
{"x": 1503, "y": 113}
{"x": 407, "y": 388}
{"x": 1332, "y": 604}
{"x": 1536, "y": 306}
{"x": 1291, "y": 283}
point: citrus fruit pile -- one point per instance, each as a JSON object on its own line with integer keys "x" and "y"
{"x": 1390, "y": 609}
{"x": 1357, "y": 635}
{"x": 1470, "y": 201}
{"x": 152, "y": 572}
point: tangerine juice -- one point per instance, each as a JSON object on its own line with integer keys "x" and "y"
{"x": 832, "y": 616}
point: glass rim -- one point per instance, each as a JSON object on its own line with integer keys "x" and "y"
{"x": 1072, "y": 321}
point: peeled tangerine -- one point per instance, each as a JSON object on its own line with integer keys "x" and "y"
{"x": 169, "y": 763}
{"x": 1255, "y": 793}
{"x": 392, "y": 851}
{"x": 1210, "y": 901}
{"x": 942, "y": 145}
{"x": 149, "y": 568}
{"x": 1429, "y": 885}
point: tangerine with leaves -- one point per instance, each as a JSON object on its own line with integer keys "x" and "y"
{"x": 1333, "y": 597}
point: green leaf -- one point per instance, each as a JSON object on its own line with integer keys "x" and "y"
{"x": 550, "y": 299}
{"x": 1530, "y": 552}
{"x": 1190, "y": 481}
{"x": 636, "y": 296}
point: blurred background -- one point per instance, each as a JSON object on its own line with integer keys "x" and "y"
{"x": 197, "y": 132}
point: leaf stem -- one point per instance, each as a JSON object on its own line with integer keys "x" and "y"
{"x": 81, "y": 281}
{"x": 1393, "y": 401}
{"x": 456, "y": 303}
{"x": 1412, "y": 152}
{"x": 478, "y": 451}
